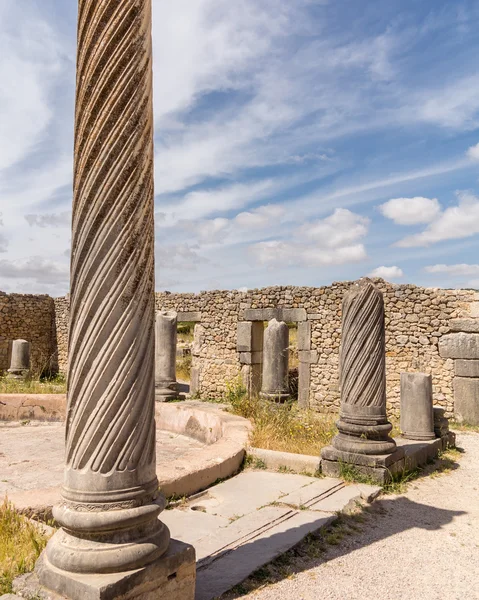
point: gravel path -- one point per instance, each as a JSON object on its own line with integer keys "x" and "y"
{"x": 423, "y": 545}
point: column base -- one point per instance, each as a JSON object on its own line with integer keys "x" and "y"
{"x": 379, "y": 467}
{"x": 279, "y": 397}
{"x": 421, "y": 436}
{"x": 173, "y": 575}
{"x": 167, "y": 395}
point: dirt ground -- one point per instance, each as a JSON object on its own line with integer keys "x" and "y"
{"x": 423, "y": 544}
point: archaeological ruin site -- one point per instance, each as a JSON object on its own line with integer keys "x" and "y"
{"x": 187, "y": 446}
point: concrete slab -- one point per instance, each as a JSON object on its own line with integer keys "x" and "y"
{"x": 342, "y": 500}
{"x": 249, "y": 491}
{"x": 190, "y": 526}
{"x": 241, "y": 531}
{"x": 317, "y": 490}
{"x": 229, "y": 569}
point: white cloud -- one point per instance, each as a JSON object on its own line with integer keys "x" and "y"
{"x": 454, "y": 104}
{"x": 181, "y": 257}
{"x": 30, "y": 61}
{"x": 343, "y": 227}
{"x": 62, "y": 219}
{"x": 473, "y": 153}
{"x": 455, "y": 222}
{"x": 215, "y": 230}
{"x": 278, "y": 253}
{"x": 329, "y": 241}
{"x": 260, "y": 217}
{"x": 454, "y": 270}
{"x": 35, "y": 268}
{"x": 410, "y": 211}
{"x": 388, "y": 273}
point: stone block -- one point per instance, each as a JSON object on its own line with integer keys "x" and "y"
{"x": 301, "y": 463}
{"x": 289, "y": 315}
{"x": 195, "y": 381}
{"x": 171, "y": 576}
{"x": 304, "y": 384}
{"x": 189, "y": 317}
{"x": 304, "y": 335}
{"x": 251, "y": 358}
{"x": 466, "y": 368}
{"x": 466, "y": 400}
{"x": 244, "y": 338}
{"x": 474, "y": 306}
{"x": 459, "y": 345}
{"x": 261, "y": 314}
{"x": 417, "y": 418}
{"x": 464, "y": 325}
{"x": 308, "y": 356}
{"x": 293, "y": 315}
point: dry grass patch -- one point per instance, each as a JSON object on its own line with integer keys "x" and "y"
{"x": 20, "y": 545}
{"x": 283, "y": 427}
{"x": 56, "y": 385}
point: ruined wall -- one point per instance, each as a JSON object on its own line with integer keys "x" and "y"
{"x": 62, "y": 314}
{"x": 31, "y": 318}
{"x": 416, "y": 319}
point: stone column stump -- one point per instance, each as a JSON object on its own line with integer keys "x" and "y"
{"x": 111, "y": 543}
{"x": 275, "y": 362}
{"x": 417, "y": 418}
{"x": 363, "y": 439}
{"x": 20, "y": 360}
{"x": 166, "y": 335}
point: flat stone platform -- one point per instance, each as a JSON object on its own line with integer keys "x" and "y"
{"x": 31, "y": 459}
{"x": 241, "y": 524}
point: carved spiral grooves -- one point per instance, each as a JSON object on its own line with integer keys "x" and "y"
{"x": 363, "y": 368}
{"x": 110, "y": 425}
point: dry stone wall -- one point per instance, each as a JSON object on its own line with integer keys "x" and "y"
{"x": 31, "y": 318}
{"x": 416, "y": 320}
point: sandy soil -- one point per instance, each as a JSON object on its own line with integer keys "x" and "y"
{"x": 423, "y": 545}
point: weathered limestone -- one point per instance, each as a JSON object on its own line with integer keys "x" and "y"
{"x": 275, "y": 361}
{"x": 249, "y": 343}
{"x": 441, "y": 423}
{"x": 110, "y": 505}
{"x": 466, "y": 400}
{"x": 166, "y": 336}
{"x": 20, "y": 361}
{"x": 417, "y": 418}
{"x": 363, "y": 436}
{"x": 459, "y": 345}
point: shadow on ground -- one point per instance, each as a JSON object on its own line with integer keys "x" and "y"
{"x": 313, "y": 550}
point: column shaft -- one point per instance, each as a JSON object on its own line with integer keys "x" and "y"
{"x": 109, "y": 509}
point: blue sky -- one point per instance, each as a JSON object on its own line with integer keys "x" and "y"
{"x": 297, "y": 143}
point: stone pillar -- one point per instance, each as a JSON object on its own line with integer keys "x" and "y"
{"x": 20, "y": 360}
{"x": 417, "y": 418}
{"x": 250, "y": 336}
{"x": 166, "y": 335}
{"x": 363, "y": 436}
{"x": 111, "y": 536}
{"x": 275, "y": 362}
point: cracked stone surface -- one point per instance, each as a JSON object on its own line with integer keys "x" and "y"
{"x": 31, "y": 455}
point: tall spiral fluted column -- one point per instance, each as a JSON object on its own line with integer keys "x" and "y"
{"x": 110, "y": 501}
{"x": 363, "y": 425}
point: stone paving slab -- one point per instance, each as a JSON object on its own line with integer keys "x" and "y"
{"x": 31, "y": 457}
{"x": 315, "y": 491}
{"x": 243, "y": 523}
{"x": 233, "y": 567}
{"x": 249, "y": 491}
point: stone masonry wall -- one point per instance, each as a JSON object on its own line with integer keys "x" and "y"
{"x": 416, "y": 319}
{"x": 30, "y": 318}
